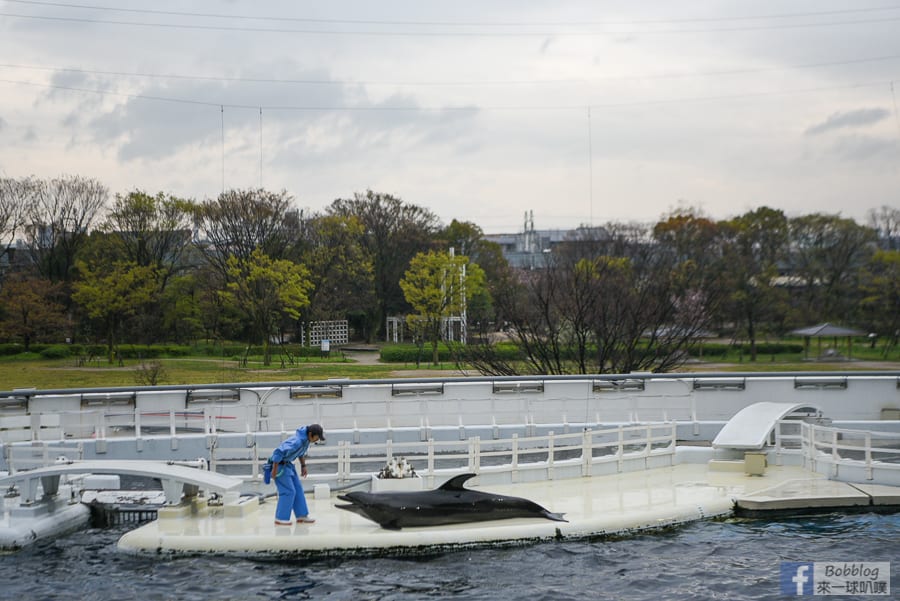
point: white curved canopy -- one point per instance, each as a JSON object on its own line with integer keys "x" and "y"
{"x": 750, "y": 427}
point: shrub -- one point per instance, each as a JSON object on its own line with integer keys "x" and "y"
{"x": 11, "y": 348}
{"x": 774, "y": 348}
{"x": 409, "y": 353}
{"x": 58, "y": 351}
{"x": 709, "y": 350}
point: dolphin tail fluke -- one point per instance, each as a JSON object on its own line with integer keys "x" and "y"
{"x": 556, "y": 517}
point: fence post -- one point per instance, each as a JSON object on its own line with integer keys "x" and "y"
{"x": 431, "y": 462}
{"x": 551, "y": 443}
{"x": 174, "y": 439}
{"x": 342, "y": 461}
{"x": 869, "y": 474}
{"x": 778, "y": 443}
{"x": 587, "y": 452}
{"x": 835, "y": 456}
{"x": 514, "y": 459}
{"x": 809, "y": 431}
{"x": 100, "y": 434}
{"x": 620, "y": 448}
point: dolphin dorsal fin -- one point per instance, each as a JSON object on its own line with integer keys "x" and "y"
{"x": 456, "y": 482}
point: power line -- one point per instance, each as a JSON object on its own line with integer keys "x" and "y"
{"x": 585, "y": 80}
{"x": 467, "y": 34}
{"x": 793, "y": 15}
{"x": 315, "y": 108}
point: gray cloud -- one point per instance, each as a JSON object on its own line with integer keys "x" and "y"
{"x": 850, "y": 119}
{"x": 148, "y": 127}
{"x": 871, "y": 150}
{"x": 517, "y": 147}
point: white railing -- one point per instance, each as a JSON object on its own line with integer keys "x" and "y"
{"x": 101, "y": 424}
{"x": 22, "y": 458}
{"x": 582, "y": 401}
{"x": 553, "y": 456}
{"x": 840, "y": 452}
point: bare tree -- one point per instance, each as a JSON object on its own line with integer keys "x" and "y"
{"x": 886, "y": 223}
{"x": 15, "y": 197}
{"x": 153, "y": 231}
{"x": 58, "y": 222}
{"x": 239, "y": 222}
{"x": 608, "y": 300}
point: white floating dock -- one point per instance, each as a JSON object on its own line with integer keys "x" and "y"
{"x": 22, "y": 526}
{"x": 599, "y": 505}
{"x": 800, "y": 496}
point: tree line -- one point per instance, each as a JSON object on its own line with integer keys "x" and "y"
{"x": 81, "y": 264}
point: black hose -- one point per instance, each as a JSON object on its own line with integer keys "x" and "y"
{"x": 352, "y": 484}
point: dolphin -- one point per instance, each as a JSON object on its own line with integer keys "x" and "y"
{"x": 451, "y": 503}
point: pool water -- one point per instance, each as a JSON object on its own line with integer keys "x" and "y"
{"x": 722, "y": 559}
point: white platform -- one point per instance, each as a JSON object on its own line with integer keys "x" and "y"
{"x": 594, "y": 506}
{"x": 23, "y": 526}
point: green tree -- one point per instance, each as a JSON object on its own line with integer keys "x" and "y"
{"x": 881, "y": 295}
{"x": 340, "y": 270}
{"x": 30, "y": 309}
{"x": 393, "y": 233}
{"x": 148, "y": 231}
{"x": 696, "y": 242}
{"x": 828, "y": 252}
{"x": 438, "y": 286}
{"x": 467, "y": 239}
{"x": 152, "y": 231}
{"x": 756, "y": 243}
{"x": 182, "y": 319}
{"x": 266, "y": 291}
{"x": 112, "y": 294}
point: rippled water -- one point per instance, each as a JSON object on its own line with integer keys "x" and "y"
{"x": 733, "y": 559}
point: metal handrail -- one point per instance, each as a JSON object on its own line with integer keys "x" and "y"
{"x": 824, "y": 444}
{"x": 617, "y": 445}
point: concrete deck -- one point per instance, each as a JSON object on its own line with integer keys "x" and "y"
{"x": 601, "y": 505}
{"x": 807, "y": 495}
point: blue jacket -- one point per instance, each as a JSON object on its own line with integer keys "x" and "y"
{"x": 292, "y": 448}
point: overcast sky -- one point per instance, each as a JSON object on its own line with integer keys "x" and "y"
{"x": 479, "y": 110}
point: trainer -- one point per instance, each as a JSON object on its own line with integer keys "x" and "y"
{"x": 290, "y": 490}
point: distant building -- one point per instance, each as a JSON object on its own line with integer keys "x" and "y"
{"x": 527, "y": 249}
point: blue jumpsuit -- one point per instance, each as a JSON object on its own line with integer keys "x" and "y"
{"x": 290, "y": 490}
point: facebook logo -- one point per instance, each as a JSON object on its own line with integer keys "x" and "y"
{"x": 797, "y": 578}
{"x": 800, "y": 578}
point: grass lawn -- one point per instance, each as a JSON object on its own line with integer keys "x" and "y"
{"x": 19, "y": 372}
{"x": 33, "y": 371}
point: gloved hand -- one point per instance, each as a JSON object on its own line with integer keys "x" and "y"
{"x": 267, "y": 471}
